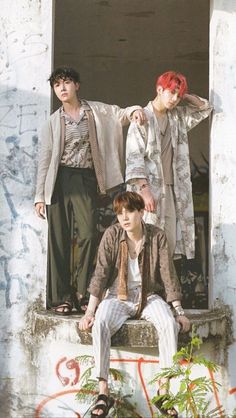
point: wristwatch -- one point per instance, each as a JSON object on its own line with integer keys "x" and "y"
{"x": 179, "y": 310}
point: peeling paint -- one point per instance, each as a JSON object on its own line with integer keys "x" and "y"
{"x": 223, "y": 179}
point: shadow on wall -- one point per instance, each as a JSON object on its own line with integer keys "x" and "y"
{"x": 22, "y": 240}
{"x": 223, "y": 288}
{"x": 22, "y": 234}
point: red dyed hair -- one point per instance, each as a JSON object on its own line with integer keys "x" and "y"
{"x": 172, "y": 81}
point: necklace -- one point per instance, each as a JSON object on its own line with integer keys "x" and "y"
{"x": 134, "y": 247}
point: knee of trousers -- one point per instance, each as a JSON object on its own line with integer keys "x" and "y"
{"x": 168, "y": 325}
{"x": 100, "y": 326}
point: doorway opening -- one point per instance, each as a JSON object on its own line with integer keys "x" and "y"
{"x": 119, "y": 49}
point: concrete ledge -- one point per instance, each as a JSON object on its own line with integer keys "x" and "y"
{"x": 138, "y": 333}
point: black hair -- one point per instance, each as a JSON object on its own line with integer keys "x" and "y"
{"x": 64, "y": 73}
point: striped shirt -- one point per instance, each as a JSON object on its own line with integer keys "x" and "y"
{"x": 77, "y": 150}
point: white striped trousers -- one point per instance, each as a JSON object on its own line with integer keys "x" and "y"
{"x": 112, "y": 313}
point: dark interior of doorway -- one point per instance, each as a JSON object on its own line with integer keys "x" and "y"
{"x": 119, "y": 48}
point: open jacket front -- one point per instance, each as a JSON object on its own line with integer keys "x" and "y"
{"x": 156, "y": 267}
{"x": 143, "y": 160}
{"x": 107, "y": 132}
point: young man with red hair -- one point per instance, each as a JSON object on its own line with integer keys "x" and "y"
{"x": 136, "y": 271}
{"x": 157, "y": 160}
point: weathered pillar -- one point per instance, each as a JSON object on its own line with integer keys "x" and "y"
{"x": 223, "y": 168}
{"x": 25, "y": 64}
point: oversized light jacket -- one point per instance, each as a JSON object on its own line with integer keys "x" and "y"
{"x": 143, "y": 160}
{"x": 107, "y": 130}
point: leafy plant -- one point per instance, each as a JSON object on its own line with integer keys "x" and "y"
{"x": 191, "y": 398}
{"x": 234, "y": 413}
{"x": 123, "y": 407}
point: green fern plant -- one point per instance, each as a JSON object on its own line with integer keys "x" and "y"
{"x": 123, "y": 407}
{"x": 191, "y": 398}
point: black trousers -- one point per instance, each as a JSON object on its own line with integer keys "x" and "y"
{"x": 74, "y": 199}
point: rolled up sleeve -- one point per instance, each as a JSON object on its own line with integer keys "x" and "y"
{"x": 193, "y": 115}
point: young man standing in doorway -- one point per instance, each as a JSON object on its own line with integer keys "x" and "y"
{"x": 136, "y": 271}
{"x": 157, "y": 160}
{"x": 81, "y": 153}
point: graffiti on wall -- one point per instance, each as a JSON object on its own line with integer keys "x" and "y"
{"x": 62, "y": 399}
{"x": 20, "y": 112}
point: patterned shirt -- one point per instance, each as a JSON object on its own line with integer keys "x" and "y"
{"x": 144, "y": 160}
{"x": 154, "y": 261}
{"x": 77, "y": 150}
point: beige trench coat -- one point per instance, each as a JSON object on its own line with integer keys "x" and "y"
{"x": 109, "y": 120}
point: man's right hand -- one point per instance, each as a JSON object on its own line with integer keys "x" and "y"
{"x": 86, "y": 322}
{"x": 150, "y": 202}
{"x": 40, "y": 209}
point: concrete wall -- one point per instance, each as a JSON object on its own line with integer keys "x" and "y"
{"x": 25, "y": 61}
{"x": 120, "y": 47}
{"x": 223, "y": 163}
{"x": 39, "y": 376}
{"x": 58, "y": 378}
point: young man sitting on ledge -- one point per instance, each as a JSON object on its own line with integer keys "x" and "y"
{"x": 135, "y": 269}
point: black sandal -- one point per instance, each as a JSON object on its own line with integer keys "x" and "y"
{"x": 81, "y": 304}
{"x": 159, "y": 404}
{"x": 105, "y": 408}
{"x": 64, "y": 309}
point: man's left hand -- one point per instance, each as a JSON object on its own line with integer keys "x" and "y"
{"x": 184, "y": 322}
{"x": 86, "y": 322}
{"x": 139, "y": 116}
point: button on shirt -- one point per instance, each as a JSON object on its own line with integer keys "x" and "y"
{"x": 77, "y": 150}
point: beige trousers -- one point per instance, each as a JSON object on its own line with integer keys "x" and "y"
{"x": 111, "y": 315}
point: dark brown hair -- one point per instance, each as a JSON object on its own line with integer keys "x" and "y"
{"x": 128, "y": 200}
